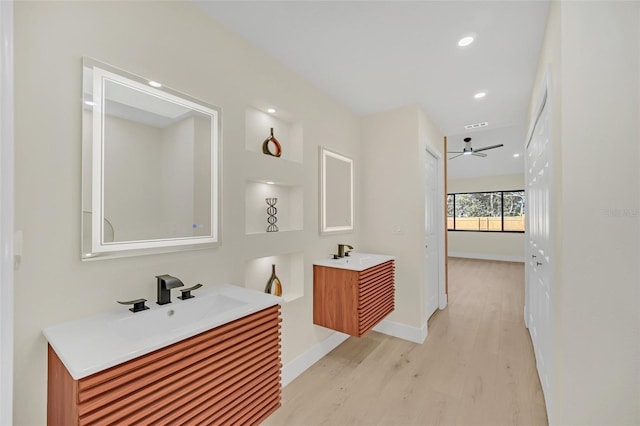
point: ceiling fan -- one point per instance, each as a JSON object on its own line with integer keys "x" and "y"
{"x": 468, "y": 150}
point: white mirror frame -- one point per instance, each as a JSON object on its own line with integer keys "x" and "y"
{"x": 99, "y": 247}
{"x": 324, "y": 228}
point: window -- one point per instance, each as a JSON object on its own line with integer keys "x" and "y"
{"x": 497, "y": 211}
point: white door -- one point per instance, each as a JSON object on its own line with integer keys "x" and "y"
{"x": 432, "y": 219}
{"x": 538, "y": 293}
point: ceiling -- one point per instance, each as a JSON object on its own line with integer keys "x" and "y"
{"x": 373, "y": 56}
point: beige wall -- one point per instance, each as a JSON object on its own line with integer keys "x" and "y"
{"x": 591, "y": 49}
{"x": 487, "y": 245}
{"x": 157, "y": 179}
{"x": 393, "y": 155}
{"x": 512, "y": 182}
{"x": 172, "y": 42}
{"x": 133, "y": 155}
{"x": 177, "y": 176}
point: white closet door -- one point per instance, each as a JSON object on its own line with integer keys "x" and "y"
{"x": 431, "y": 229}
{"x": 539, "y": 276}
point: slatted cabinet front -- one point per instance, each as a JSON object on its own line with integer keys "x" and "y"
{"x": 229, "y": 375}
{"x": 353, "y": 302}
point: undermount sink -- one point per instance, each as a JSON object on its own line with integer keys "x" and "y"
{"x": 356, "y": 261}
{"x": 92, "y": 344}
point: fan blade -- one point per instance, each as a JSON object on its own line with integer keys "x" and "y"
{"x": 488, "y": 147}
{"x": 455, "y": 152}
{"x": 479, "y": 154}
{"x": 455, "y": 156}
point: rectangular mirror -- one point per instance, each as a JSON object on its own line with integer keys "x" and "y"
{"x": 150, "y": 166}
{"x": 336, "y": 192}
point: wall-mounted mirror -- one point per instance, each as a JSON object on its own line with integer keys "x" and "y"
{"x": 150, "y": 166}
{"x": 336, "y": 192}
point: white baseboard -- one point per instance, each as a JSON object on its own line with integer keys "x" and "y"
{"x": 294, "y": 368}
{"x": 487, "y": 256}
{"x": 402, "y": 331}
{"x": 444, "y": 301}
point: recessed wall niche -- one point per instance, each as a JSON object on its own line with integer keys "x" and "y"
{"x": 289, "y": 269}
{"x": 257, "y": 128}
{"x": 289, "y": 206}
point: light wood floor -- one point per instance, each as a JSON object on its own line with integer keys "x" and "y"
{"x": 475, "y": 368}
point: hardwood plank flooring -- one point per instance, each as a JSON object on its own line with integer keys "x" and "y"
{"x": 476, "y": 367}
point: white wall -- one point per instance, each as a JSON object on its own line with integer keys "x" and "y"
{"x": 133, "y": 154}
{"x": 510, "y": 182}
{"x": 487, "y": 245}
{"x": 393, "y": 193}
{"x": 172, "y": 42}
{"x": 508, "y": 246}
{"x": 177, "y": 171}
{"x": 202, "y": 175}
{"x": 6, "y": 211}
{"x": 593, "y": 53}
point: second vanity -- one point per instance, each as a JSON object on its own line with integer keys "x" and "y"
{"x": 354, "y": 293}
{"x": 213, "y": 359}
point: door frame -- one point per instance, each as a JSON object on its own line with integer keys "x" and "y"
{"x": 441, "y": 229}
{"x": 6, "y": 211}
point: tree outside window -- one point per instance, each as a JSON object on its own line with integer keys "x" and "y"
{"x": 497, "y": 211}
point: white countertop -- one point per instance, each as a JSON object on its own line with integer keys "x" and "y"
{"x": 89, "y": 345}
{"x": 355, "y": 261}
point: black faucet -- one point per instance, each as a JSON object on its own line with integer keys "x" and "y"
{"x": 341, "y": 252}
{"x": 165, "y": 284}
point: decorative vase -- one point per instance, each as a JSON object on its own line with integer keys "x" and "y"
{"x": 271, "y": 214}
{"x": 271, "y": 140}
{"x": 274, "y": 286}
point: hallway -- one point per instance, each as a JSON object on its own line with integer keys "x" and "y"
{"x": 475, "y": 368}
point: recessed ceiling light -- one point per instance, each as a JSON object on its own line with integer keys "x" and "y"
{"x": 271, "y": 110}
{"x": 154, "y": 84}
{"x": 476, "y": 125}
{"x": 90, "y": 103}
{"x": 480, "y": 95}
{"x": 270, "y": 182}
{"x": 465, "y": 41}
{"x": 516, "y": 155}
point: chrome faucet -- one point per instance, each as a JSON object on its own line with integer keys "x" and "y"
{"x": 341, "y": 252}
{"x": 165, "y": 284}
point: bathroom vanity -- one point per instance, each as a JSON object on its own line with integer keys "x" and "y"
{"x": 354, "y": 293}
{"x": 214, "y": 359}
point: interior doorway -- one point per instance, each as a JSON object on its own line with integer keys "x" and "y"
{"x": 434, "y": 235}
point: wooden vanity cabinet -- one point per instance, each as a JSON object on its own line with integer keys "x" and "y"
{"x": 229, "y": 375}
{"x": 353, "y": 302}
